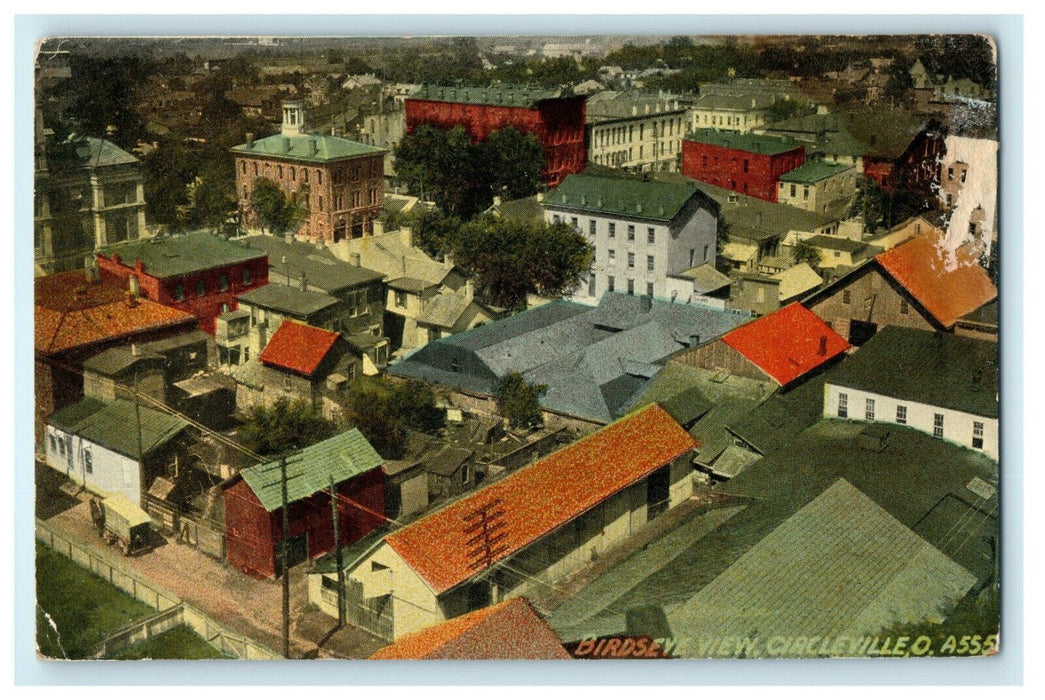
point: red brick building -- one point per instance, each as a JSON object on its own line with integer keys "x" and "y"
{"x": 254, "y": 504}
{"x": 744, "y": 163}
{"x": 196, "y": 272}
{"x": 77, "y": 317}
{"x": 554, "y": 117}
{"x": 339, "y": 181}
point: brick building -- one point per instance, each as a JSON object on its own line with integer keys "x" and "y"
{"x": 743, "y": 163}
{"x": 340, "y": 182}
{"x": 196, "y": 272}
{"x": 555, "y": 117}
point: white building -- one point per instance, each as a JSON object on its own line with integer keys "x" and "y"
{"x": 941, "y": 384}
{"x": 95, "y": 444}
{"x": 642, "y": 231}
{"x": 636, "y": 132}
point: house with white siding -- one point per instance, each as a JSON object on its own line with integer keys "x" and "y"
{"x": 941, "y": 384}
{"x": 533, "y": 528}
{"x": 643, "y": 231}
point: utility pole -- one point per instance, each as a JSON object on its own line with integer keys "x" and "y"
{"x": 334, "y": 515}
{"x": 284, "y": 542}
{"x": 486, "y": 541}
{"x": 138, "y": 425}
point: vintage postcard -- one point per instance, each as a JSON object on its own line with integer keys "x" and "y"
{"x": 516, "y": 347}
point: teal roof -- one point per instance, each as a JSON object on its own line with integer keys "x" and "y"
{"x": 101, "y": 153}
{"x": 813, "y": 172}
{"x": 182, "y": 254}
{"x": 341, "y": 457}
{"x": 299, "y": 148}
{"x": 500, "y": 94}
{"x": 762, "y": 145}
{"x": 619, "y": 196}
{"x": 112, "y": 425}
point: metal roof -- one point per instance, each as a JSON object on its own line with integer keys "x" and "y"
{"x": 937, "y": 369}
{"x": 113, "y": 425}
{"x": 341, "y": 457}
{"x": 288, "y": 299}
{"x": 751, "y": 143}
{"x": 814, "y": 171}
{"x": 498, "y": 94}
{"x": 181, "y": 254}
{"x": 626, "y": 197}
{"x": 322, "y": 270}
{"x": 845, "y": 245}
{"x": 705, "y": 278}
{"x": 311, "y": 148}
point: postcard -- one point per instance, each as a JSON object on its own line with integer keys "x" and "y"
{"x": 516, "y": 347}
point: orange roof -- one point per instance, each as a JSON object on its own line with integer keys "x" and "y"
{"x": 298, "y": 347}
{"x": 947, "y": 284}
{"x": 787, "y": 343}
{"x": 508, "y": 630}
{"x": 543, "y": 496}
{"x": 72, "y": 312}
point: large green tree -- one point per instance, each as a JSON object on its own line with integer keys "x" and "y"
{"x": 519, "y": 401}
{"x": 286, "y": 425}
{"x": 511, "y": 259}
{"x": 278, "y": 212}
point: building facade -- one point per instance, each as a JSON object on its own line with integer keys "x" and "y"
{"x": 642, "y": 231}
{"x": 639, "y": 133}
{"x": 744, "y": 163}
{"x": 816, "y": 185}
{"x": 554, "y": 117}
{"x": 340, "y": 183}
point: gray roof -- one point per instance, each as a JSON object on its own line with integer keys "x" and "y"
{"x": 733, "y": 102}
{"x": 97, "y": 153}
{"x": 502, "y": 94}
{"x": 937, "y": 369}
{"x": 288, "y": 299}
{"x": 525, "y": 210}
{"x": 445, "y": 308}
{"x": 115, "y": 360}
{"x": 841, "y": 566}
{"x": 755, "y": 219}
{"x": 845, "y": 245}
{"x": 178, "y": 340}
{"x": 206, "y": 383}
{"x": 322, "y": 270}
{"x": 181, "y": 254}
{"x": 986, "y": 315}
{"x": 112, "y": 425}
{"x": 706, "y": 278}
{"x": 410, "y": 284}
{"x": 448, "y": 461}
{"x": 593, "y": 360}
{"x": 608, "y": 195}
{"x": 309, "y": 148}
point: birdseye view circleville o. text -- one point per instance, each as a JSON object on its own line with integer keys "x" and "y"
{"x": 532, "y": 347}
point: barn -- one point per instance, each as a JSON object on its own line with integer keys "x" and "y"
{"x": 254, "y": 513}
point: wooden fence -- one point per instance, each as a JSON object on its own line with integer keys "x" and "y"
{"x": 171, "y": 611}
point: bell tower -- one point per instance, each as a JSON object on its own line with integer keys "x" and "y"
{"x": 293, "y": 118}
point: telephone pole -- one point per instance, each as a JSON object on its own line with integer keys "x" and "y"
{"x": 487, "y": 526}
{"x": 334, "y": 515}
{"x": 283, "y": 556}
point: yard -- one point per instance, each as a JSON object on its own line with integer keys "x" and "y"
{"x": 178, "y": 643}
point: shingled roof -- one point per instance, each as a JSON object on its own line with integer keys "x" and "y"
{"x": 181, "y": 254}
{"x": 310, "y": 148}
{"x": 629, "y": 197}
{"x": 74, "y": 313}
{"x": 570, "y": 482}
{"x": 788, "y": 343}
{"x": 111, "y": 424}
{"x": 508, "y": 630}
{"x": 298, "y": 347}
{"x": 947, "y": 284}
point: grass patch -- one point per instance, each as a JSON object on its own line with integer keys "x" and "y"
{"x": 84, "y": 607}
{"x": 178, "y": 643}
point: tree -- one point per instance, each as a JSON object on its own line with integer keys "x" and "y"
{"x": 413, "y": 402}
{"x": 211, "y": 196}
{"x": 788, "y": 109}
{"x": 512, "y": 161}
{"x": 367, "y": 408}
{"x": 519, "y": 402}
{"x": 872, "y": 204}
{"x": 286, "y": 425}
{"x": 278, "y": 212}
{"x": 805, "y": 253}
{"x": 512, "y": 259}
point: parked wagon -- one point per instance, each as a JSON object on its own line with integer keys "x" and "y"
{"x": 125, "y": 525}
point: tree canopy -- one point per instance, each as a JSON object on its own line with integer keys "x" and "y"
{"x": 278, "y": 212}
{"x": 286, "y": 425}
{"x": 519, "y": 402}
{"x": 805, "y": 253}
{"x": 383, "y": 411}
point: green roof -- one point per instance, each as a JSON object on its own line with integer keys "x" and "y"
{"x": 165, "y": 257}
{"x": 618, "y": 196}
{"x": 813, "y": 172}
{"x": 937, "y": 369}
{"x": 341, "y": 457}
{"x": 291, "y": 300}
{"x": 300, "y": 148}
{"x": 762, "y": 145}
{"x": 112, "y": 425}
{"x": 501, "y": 94}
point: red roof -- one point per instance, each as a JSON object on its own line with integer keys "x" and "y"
{"x": 298, "y": 347}
{"x": 544, "y": 496}
{"x": 787, "y": 343}
{"x": 947, "y": 284}
{"x": 71, "y": 312}
{"x": 508, "y": 630}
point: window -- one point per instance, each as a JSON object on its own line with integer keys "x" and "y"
{"x": 964, "y": 173}
{"x": 847, "y": 296}
{"x": 286, "y": 382}
{"x": 611, "y": 283}
{"x": 805, "y": 193}
{"x": 54, "y": 444}
{"x": 243, "y": 167}
{"x": 869, "y": 409}
{"x": 255, "y": 168}
{"x": 305, "y": 173}
{"x": 465, "y": 474}
{"x": 321, "y": 202}
{"x": 901, "y": 414}
{"x": 293, "y": 174}
{"x": 631, "y": 232}
{"x": 201, "y": 288}
{"x": 843, "y": 405}
{"x": 556, "y": 219}
{"x": 950, "y": 173}
{"x": 591, "y": 226}
{"x": 246, "y": 275}
{"x": 88, "y": 462}
{"x": 792, "y": 190}
{"x": 631, "y": 261}
{"x": 591, "y": 285}
{"x": 631, "y": 286}
{"x": 649, "y": 289}
{"x": 319, "y": 176}
{"x": 179, "y": 292}
{"x": 574, "y": 222}
{"x": 279, "y": 171}
{"x": 224, "y": 281}
{"x": 612, "y": 254}
{"x": 651, "y": 235}
{"x": 706, "y": 249}
{"x": 613, "y": 230}
{"x": 649, "y": 263}
{"x": 745, "y": 165}
{"x": 938, "y": 425}
{"x": 977, "y": 435}
{"x": 905, "y": 306}
{"x": 692, "y": 254}
{"x": 400, "y": 299}
{"x": 455, "y": 366}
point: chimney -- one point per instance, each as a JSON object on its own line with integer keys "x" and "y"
{"x": 135, "y": 350}
{"x": 469, "y": 291}
{"x": 129, "y": 299}
{"x": 406, "y": 236}
{"x": 313, "y": 148}
{"x": 448, "y": 259}
{"x": 378, "y": 226}
{"x": 133, "y": 285}
{"x": 250, "y": 140}
{"x": 304, "y": 282}
{"x": 823, "y": 346}
{"x": 286, "y": 144}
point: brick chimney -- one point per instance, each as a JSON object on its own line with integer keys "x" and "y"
{"x": 823, "y": 346}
